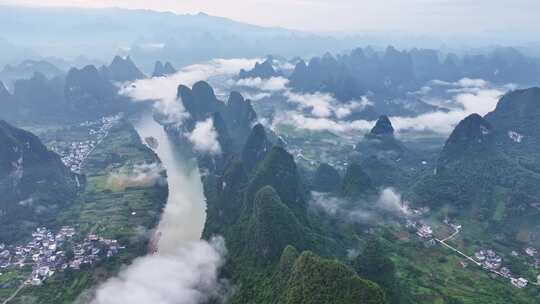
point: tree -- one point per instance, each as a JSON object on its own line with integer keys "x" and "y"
{"x": 373, "y": 264}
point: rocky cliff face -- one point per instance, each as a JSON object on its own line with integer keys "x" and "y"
{"x": 122, "y": 70}
{"x": 261, "y": 70}
{"x": 383, "y": 127}
{"x": 471, "y": 135}
{"x": 491, "y": 159}
{"x": 161, "y": 70}
{"x": 34, "y": 182}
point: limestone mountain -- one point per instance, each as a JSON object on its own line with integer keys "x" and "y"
{"x": 256, "y": 148}
{"x": 216, "y": 162}
{"x": 274, "y": 226}
{"x": 373, "y": 264}
{"x": 27, "y": 68}
{"x": 34, "y": 182}
{"x": 350, "y": 76}
{"x": 240, "y": 116}
{"x": 262, "y": 216}
{"x": 326, "y": 179}
{"x": 82, "y": 94}
{"x": 229, "y": 196}
{"x": 201, "y": 103}
{"x": 161, "y": 70}
{"x": 37, "y": 97}
{"x": 383, "y": 127}
{"x": 473, "y": 135}
{"x": 122, "y": 70}
{"x": 6, "y": 100}
{"x": 316, "y": 280}
{"x": 384, "y": 157}
{"x": 517, "y": 130}
{"x": 356, "y": 182}
{"x": 223, "y": 134}
{"x": 279, "y": 170}
{"x": 87, "y": 93}
{"x": 262, "y": 70}
{"x": 381, "y": 139}
{"x": 4, "y": 93}
{"x": 489, "y": 163}
{"x": 465, "y": 166}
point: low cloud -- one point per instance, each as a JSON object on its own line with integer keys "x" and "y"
{"x": 140, "y": 175}
{"x": 162, "y": 90}
{"x": 477, "y": 100}
{"x": 319, "y": 104}
{"x": 341, "y": 208}
{"x": 204, "y": 137}
{"x": 300, "y": 121}
{"x": 256, "y": 96}
{"x": 325, "y": 105}
{"x": 273, "y": 84}
{"x": 188, "y": 276}
{"x": 466, "y": 96}
{"x": 344, "y": 110}
{"x": 389, "y": 201}
{"x": 462, "y": 83}
{"x": 283, "y": 66}
{"x": 353, "y": 253}
{"x": 329, "y": 204}
{"x": 325, "y": 113}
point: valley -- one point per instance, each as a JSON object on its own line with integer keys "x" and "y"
{"x": 101, "y": 213}
{"x": 378, "y": 153}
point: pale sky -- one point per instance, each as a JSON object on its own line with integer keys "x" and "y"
{"x": 421, "y": 16}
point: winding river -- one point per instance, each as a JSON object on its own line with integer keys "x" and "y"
{"x": 185, "y": 212}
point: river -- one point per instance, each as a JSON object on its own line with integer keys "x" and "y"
{"x": 184, "y": 215}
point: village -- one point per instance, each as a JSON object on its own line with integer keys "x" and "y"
{"x": 48, "y": 253}
{"x": 74, "y": 154}
{"x": 487, "y": 259}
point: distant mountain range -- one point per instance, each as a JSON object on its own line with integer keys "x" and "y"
{"x": 38, "y": 33}
{"x": 397, "y": 82}
{"x": 392, "y": 73}
{"x": 146, "y": 35}
{"x": 262, "y": 70}
{"x": 161, "y": 69}
{"x": 81, "y": 94}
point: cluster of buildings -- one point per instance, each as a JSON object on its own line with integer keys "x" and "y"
{"x": 423, "y": 230}
{"x": 531, "y": 251}
{"x": 519, "y": 282}
{"x": 74, "y": 155}
{"x": 454, "y": 226}
{"x": 48, "y": 253}
{"x": 533, "y": 254}
{"x": 489, "y": 258}
{"x": 493, "y": 262}
{"x": 92, "y": 249}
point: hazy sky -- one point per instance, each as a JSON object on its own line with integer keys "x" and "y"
{"x": 346, "y": 15}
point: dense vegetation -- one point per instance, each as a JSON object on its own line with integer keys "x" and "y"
{"x": 261, "y": 214}
{"x": 34, "y": 183}
{"x": 122, "y": 214}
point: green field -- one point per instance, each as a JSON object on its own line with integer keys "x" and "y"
{"x": 127, "y": 215}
